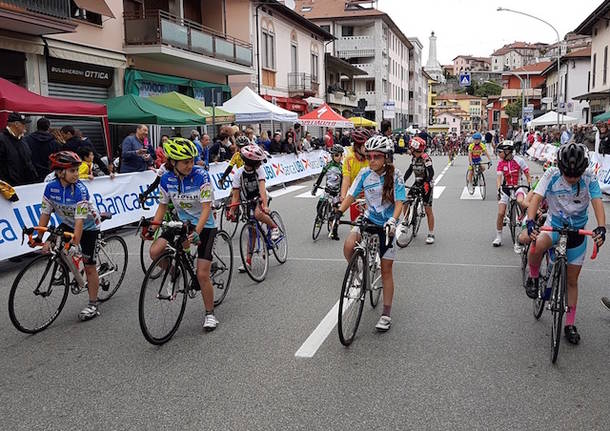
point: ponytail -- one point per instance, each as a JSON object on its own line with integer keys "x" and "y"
{"x": 388, "y": 183}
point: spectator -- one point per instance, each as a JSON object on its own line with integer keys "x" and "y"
{"x": 205, "y": 147}
{"x": 275, "y": 147}
{"x": 288, "y": 143}
{"x": 566, "y": 135}
{"x": 589, "y": 137}
{"x": 221, "y": 148}
{"x": 602, "y": 140}
{"x": 195, "y": 140}
{"x": 73, "y": 140}
{"x": 58, "y": 136}
{"x": 160, "y": 158}
{"x": 331, "y": 140}
{"x": 488, "y": 137}
{"x": 42, "y": 144}
{"x": 345, "y": 141}
{"x": 386, "y": 128}
{"x": 85, "y": 170}
{"x": 250, "y": 135}
{"x": 298, "y": 132}
{"x": 264, "y": 141}
{"x": 134, "y": 157}
{"x": 518, "y": 140}
{"x": 306, "y": 144}
{"x": 16, "y": 167}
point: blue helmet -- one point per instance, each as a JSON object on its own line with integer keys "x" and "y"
{"x": 477, "y": 136}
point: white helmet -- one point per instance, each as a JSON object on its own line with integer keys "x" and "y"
{"x": 379, "y": 143}
{"x": 402, "y": 235}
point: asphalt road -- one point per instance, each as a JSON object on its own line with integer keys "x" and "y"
{"x": 464, "y": 351}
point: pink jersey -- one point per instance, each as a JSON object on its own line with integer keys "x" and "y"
{"x": 512, "y": 169}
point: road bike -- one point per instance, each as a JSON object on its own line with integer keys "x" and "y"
{"x": 557, "y": 282}
{"x": 514, "y": 212}
{"x": 228, "y": 223}
{"x": 171, "y": 279}
{"x": 543, "y": 286}
{"x": 170, "y": 215}
{"x": 478, "y": 179}
{"x": 255, "y": 241}
{"x": 41, "y": 288}
{"x": 324, "y": 212}
{"x": 416, "y": 213}
{"x": 363, "y": 274}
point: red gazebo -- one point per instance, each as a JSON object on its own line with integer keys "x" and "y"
{"x": 325, "y": 116}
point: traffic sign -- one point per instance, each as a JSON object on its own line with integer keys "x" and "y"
{"x": 528, "y": 110}
{"x": 465, "y": 79}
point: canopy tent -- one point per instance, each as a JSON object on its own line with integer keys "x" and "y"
{"x": 362, "y": 122}
{"x": 16, "y": 98}
{"x": 181, "y": 102}
{"x": 550, "y": 119}
{"x": 325, "y": 116}
{"x": 132, "y": 109}
{"x": 602, "y": 117}
{"x": 249, "y": 107}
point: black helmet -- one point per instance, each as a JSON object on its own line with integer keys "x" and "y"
{"x": 336, "y": 149}
{"x": 572, "y": 160}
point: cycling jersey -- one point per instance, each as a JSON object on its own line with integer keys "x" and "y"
{"x": 568, "y": 203}
{"x": 188, "y": 194}
{"x": 70, "y": 203}
{"x": 377, "y": 210}
{"x": 334, "y": 176}
{"x": 512, "y": 170}
{"x": 477, "y": 151}
{"x": 247, "y": 182}
{"x": 422, "y": 168}
{"x": 236, "y": 160}
{"x": 352, "y": 166}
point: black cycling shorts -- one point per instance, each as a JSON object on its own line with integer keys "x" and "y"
{"x": 88, "y": 243}
{"x": 204, "y": 249}
{"x": 427, "y": 198}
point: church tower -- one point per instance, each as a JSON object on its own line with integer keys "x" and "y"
{"x": 433, "y": 67}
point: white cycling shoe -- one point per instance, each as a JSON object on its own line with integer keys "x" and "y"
{"x": 384, "y": 323}
{"x": 210, "y": 322}
{"x": 89, "y": 312}
{"x": 275, "y": 234}
{"x": 497, "y": 242}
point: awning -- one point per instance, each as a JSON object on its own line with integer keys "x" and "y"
{"x": 595, "y": 95}
{"x": 83, "y": 54}
{"x": 602, "y": 117}
{"x": 362, "y": 122}
{"x": 25, "y": 44}
{"x": 187, "y": 104}
{"x": 324, "y": 116}
{"x": 134, "y": 76}
{"x": 132, "y": 109}
{"x": 95, "y": 6}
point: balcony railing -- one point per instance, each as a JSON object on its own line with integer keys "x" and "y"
{"x": 159, "y": 27}
{"x": 355, "y": 46}
{"x": 303, "y": 84}
{"x": 59, "y": 9}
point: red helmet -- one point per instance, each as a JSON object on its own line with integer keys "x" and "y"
{"x": 361, "y": 135}
{"x": 418, "y": 144}
{"x": 64, "y": 160}
{"x": 252, "y": 153}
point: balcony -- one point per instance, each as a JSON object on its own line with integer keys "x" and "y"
{"x": 369, "y": 68}
{"x": 371, "y": 98}
{"x": 355, "y": 46}
{"x": 302, "y": 84}
{"x": 160, "y": 36}
{"x": 36, "y": 17}
{"x": 340, "y": 97}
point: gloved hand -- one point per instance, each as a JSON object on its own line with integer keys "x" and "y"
{"x": 391, "y": 226}
{"x": 600, "y": 235}
{"x": 313, "y": 191}
{"x": 75, "y": 251}
{"x": 531, "y": 227}
{"x": 194, "y": 238}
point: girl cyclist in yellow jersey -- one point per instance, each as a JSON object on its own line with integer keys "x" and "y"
{"x": 236, "y": 160}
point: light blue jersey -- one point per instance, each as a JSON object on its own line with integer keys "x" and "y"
{"x": 70, "y": 203}
{"x": 377, "y": 210}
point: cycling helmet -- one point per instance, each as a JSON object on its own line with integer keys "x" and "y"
{"x": 506, "y": 145}
{"x": 572, "y": 160}
{"x": 477, "y": 136}
{"x": 360, "y": 135}
{"x": 379, "y": 143}
{"x": 252, "y": 155}
{"x": 180, "y": 149}
{"x": 64, "y": 160}
{"x": 336, "y": 149}
{"x": 418, "y": 144}
{"x": 242, "y": 141}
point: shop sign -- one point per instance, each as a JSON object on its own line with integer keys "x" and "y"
{"x": 71, "y": 72}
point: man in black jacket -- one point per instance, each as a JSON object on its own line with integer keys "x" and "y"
{"x": 42, "y": 144}
{"x": 74, "y": 142}
{"x": 16, "y": 166}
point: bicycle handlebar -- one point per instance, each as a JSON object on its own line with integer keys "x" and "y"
{"x": 567, "y": 230}
{"x": 29, "y": 232}
{"x": 368, "y": 227}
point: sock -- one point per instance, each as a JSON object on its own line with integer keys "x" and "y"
{"x": 571, "y": 315}
{"x": 387, "y": 309}
{"x": 207, "y": 313}
{"x": 431, "y": 232}
{"x": 93, "y": 303}
{"x": 499, "y": 234}
{"x": 534, "y": 271}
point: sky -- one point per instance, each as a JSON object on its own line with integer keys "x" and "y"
{"x": 475, "y": 27}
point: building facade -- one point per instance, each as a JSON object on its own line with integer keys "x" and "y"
{"x": 418, "y": 87}
{"x": 468, "y": 63}
{"x": 516, "y": 55}
{"x": 471, "y": 109}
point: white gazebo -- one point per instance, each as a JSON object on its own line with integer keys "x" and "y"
{"x": 550, "y": 119}
{"x": 249, "y": 107}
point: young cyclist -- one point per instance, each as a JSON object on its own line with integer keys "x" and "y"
{"x": 568, "y": 190}
{"x": 69, "y": 198}
{"x": 384, "y": 192}
{"x": 236, "y": 160}
{"x": 421, "y": 167}
{"x": 509, "y": 171}
{"x": 333, "y": 171}
{"x": 475, "y": 150}
{"x": 190, "y": 190}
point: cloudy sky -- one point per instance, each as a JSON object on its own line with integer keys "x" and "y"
{"x": 475, "y": 27}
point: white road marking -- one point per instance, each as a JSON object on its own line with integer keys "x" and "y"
{"x": 441, "y": 175}
{"x": 438, "y": 191}
{"x": 285, "y": 191}
{"x": 319, "y": 335}
{"x": 308, "y": 194}
{"x": 466, "y": 196}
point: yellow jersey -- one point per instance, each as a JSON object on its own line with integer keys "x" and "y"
{"x": 236, "y": 160}
{"x": 84, "y": 170}
{"x": 477, "y": 151}
{"x": 352, "y": 166}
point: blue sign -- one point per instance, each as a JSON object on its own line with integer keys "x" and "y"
{"x": 465, "y": 79}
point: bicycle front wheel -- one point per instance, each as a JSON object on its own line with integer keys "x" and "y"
{"x": 145, "y": 259}
{"x": 375, "y": 282}
{"x": 352, "y": 298}
{"x": 419, "y": 212}
{"x": 230, "y": 226}
{"x": 470, "y": 184}
{"x": 482, "y": 187}
{"x": 317, "y": 227}
{"x": 162, "y": 299}
{"x": 538, "y": 303}
{"x": 111, "y": 266}
{"x": 280, "y": 246}
{"x": 512, "y": 220}
{"x": 558, "y": 306}
{"x": 253, "y": 251}
{"x": 221, "y": 273}
{"x": 38, "y": 294}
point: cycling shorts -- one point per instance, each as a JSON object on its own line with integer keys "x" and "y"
{"x": 504, "y": 198}
{"x": 387, "y": 252}
{"x": 427, "y": 198}
{"x": 206, "y": 244}
{"x": 88, "y": 243}
{"x": 475, "y": 161}
{"x": 577, "y": 246}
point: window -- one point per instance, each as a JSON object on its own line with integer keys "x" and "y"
{"x": 370, "y": 85}
{"x": 325, "y": 27}
{"x": 314, "y": 67}
{"x": 294, "y": 56}
{"x": 588, "y": 81}
{"x": 605, "y": 71}
{"x": 268, "y": 50}
{"x": 347, "y": 30}
{"x": 593, "y": 70}
{"x": 84, "y": 15}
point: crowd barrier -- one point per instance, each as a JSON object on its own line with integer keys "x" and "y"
{"x": 119, "y": 196}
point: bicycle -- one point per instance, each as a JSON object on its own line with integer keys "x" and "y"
{"x": 227, "y": 223}
{"x": 60, "y": 274}
{"x": 324, "y": 212}
{"x": 514, "y": 212}
{"x": 170, "y": 215}
{"x": 171, "y": 279}
{"x": 255, "y": 243}
{"x": 557, "y": 276}
{"x": 545, "y": 268}
{"x": 363, "y": 274}
{"x": 416, "y": 212}
{"x": 478, "y": 179}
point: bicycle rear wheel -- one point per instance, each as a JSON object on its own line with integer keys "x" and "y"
{"x": 420, "y": 211}
{"x": 375, "y": 284}
{"x": 145, "y": 259}
{"x": 230, "y": 226}
{"x": 280, "y": 247}
{"x": 162, "y": 299}
{"x": 538, "y": 303}
{"x": 36, "y": 300}
{"x": 253, "y": 251}
{"x": 352, "y": 298}
{"x": 512, "y": 220}
{"x": 482, "y": 187}
{"x": 111, "y": 266}
{"x": 221, "y": 273}
{"x": 470, "y": 185}
{"x": 558, "y": 304}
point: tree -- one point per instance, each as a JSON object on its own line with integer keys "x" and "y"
{"x": 513, "y": 109}
{"x": 488, "y": 89}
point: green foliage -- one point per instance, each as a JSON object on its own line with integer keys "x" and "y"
{"x": 488, "y": 89}
{"x": 513, "y": 109}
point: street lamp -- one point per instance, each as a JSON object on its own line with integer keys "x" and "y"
{"x": 503, "y": 9}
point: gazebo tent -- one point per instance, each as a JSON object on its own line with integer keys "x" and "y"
{"x": 185, "y": 103}
{"x": 325, "y": 116}
{"x": 132, "y": 109}
{"x": 362, "y": 122}
{"x": 16, "y": 98}
{"x": 602, "y": 117}
{"x": 550, "y": 119}
{"x": 249, "y": 107}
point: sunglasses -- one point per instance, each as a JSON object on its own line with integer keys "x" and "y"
{"x": 375, "y": 156}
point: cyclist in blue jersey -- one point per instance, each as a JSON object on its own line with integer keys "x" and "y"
{"x": 68, "y": 197}
{"x": 189, "y": 189}
{"x": 568, "y": 190}
{"x": 384, "y": 192}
